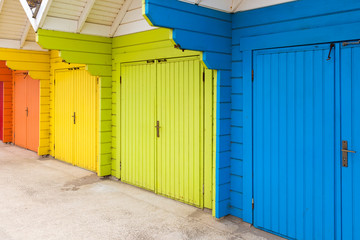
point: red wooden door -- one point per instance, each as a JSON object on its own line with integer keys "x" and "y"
{"x": 26, "y": 111}
{"x": 1, "y": 110}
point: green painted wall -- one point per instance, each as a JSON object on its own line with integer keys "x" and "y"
{"x": 95, "y": 52}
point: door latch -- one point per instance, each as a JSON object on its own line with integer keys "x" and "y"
{"x": 157, "y": 128}
{"x": 74, "y": 116}
{"x": 345, "y": 152}
{"x": 27, "y": 111}
{"x": 332, "y": 45}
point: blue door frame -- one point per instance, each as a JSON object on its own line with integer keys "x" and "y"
{"x": 345, "y": 193}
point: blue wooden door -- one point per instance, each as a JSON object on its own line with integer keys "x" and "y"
{"x": 294, "y": 141}
{"x": 350, "y": 132}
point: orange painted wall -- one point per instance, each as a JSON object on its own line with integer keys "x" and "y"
{"x": 6, "y": 78}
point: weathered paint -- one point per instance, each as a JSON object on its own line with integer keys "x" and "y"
{"x": 37, "y": 63}
{"x": 95, "y": 53}
{"x": 1, "y": 110}
{"x": 76, "y": 118}
{"x": 152, "y": 45}
{"x": 209, "y": 31}
{"x": 26, "y": 111}
{"x": 6, "y": 79}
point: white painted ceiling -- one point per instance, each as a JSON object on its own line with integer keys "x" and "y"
{"x": 232, "y": 6}
{"x": 15, "y": 29}
{"x": 107, "y": 18}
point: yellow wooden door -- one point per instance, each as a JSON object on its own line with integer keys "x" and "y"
{"x": 86, "y": 120}
{"x": 76, "y": 118}
{"x": 64, "y": 127}
{"x": 180, "y": 141}
{"x": 138, "y": 119}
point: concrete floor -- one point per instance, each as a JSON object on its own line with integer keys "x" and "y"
{"x": 47, "y": 199}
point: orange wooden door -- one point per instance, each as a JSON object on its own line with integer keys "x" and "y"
{"x": 1, "y": 110}
{"x": 32, "y": 100}
{"x": 26, "y": 111}
{"x": 20, "y": 109}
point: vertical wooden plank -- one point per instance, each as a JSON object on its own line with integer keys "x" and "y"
{"x": 248, "y": 137}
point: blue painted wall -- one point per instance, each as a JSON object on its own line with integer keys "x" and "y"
{"x": 291, "y": 24}
{"x": 228, "y": 41}
{"x": 201, "y": 29}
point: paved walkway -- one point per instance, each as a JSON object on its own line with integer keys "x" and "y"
{"x": 47, "y": 199}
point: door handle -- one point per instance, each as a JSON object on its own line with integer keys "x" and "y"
{"x": 157, "y": 128}
{"x": 74, "y": 116}
{"x": 345, "y": 152}
{"x": 348, "y": 151}
{"x": 27, "y": 111}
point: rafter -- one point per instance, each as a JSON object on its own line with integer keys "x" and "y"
{"x": 89, "y": 5}
{"x": 25, "y": 34}
{"x": 43, "y": 11}
{"x": 1, "y": 4}
{"x": 236, "y": 4}
{"x": 119, "y": 18}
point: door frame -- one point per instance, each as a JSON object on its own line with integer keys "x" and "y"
{"x": 206, "y": 72}
{"x": 248, "y": 167}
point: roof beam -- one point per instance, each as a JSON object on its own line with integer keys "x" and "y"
{"x": 1, "y": 4}
{"x": 29, "y": 14}
{"x": 25, "y": 34}
{"x": 236, "y": 4}
{"x": 120, "y": 16}
{"x": 43, "y": 11}
{"x": 85, "y": 13}
{"x": 40, "y": 19}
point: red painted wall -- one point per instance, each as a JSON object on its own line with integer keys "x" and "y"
{"x": 7, "y": 79}
{"x": 1, "y": 109}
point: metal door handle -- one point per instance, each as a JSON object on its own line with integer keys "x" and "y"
{"x": 74, "y": 116}
{"x": 157, "y": 128}
{"x": 348, "y": 151}
{"x": 27, "y": 111}
{"x": 345, "y": 152}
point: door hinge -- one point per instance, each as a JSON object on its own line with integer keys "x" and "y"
{"x": 204, "y": 75}
{"x": 203, "y": 189}
{"x": 54, "y": 81}
{"x": 252, "y": 203}
{"x": 54, "y": 147}
{"x": 120, "y": 79}
{"x": 351, "y": 43}
{"x": 97, "y": 80}
{"x": 252, "y": 75}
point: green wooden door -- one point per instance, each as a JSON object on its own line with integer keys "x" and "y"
{"x": 138, "y": 117}
{"x": 168, "y": 160}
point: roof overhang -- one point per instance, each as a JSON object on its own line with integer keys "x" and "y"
{"x": 15, "y": 28}
{"x": 232, "y": 6}
{"x": 108, "y": 18}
